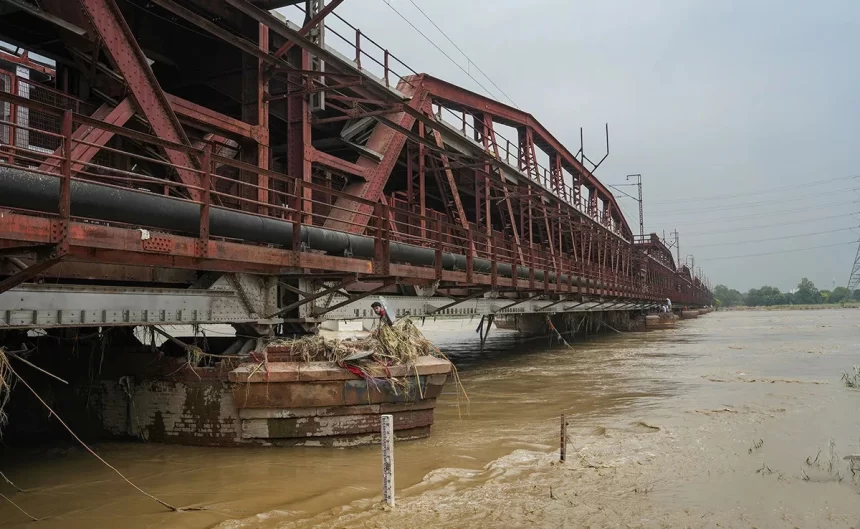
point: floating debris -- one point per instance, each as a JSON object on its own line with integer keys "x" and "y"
{"x": 369, "y": 357}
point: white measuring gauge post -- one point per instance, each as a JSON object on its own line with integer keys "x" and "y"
{"x": 388, "y": 459}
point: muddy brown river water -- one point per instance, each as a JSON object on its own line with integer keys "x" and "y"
{"x": 709, "y": 424}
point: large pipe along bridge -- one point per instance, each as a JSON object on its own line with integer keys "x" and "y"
{"x": 141, "y": 186}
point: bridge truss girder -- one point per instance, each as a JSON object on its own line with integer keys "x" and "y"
{"x": 378, "y": 159}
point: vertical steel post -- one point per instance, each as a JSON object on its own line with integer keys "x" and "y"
{"x": 61, "y": 233}
{"x": 13, "y": 109}
{"x": 262, "y": 126}
{"x": 494, "y": 264}
{"x": 387, "y": 83}
{"x": 470, "y": 256}
{"x": 206, "y": 162}
{"x": 438, "y": 256}
{"x": 422, "y": 187}
{"x": 298, "y": 206}
{"x": 358, "y": 48}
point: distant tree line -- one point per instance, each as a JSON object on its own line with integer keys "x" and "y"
{"x": 805, "y": 294}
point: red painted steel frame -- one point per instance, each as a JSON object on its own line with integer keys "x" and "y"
{"x": 537, "y": 223}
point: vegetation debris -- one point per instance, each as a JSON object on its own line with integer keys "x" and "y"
{"x": 371, "y": 356}
{"x": 852, "y": 378}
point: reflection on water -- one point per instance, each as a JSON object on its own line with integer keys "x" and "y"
{"x": 704, "y": 424}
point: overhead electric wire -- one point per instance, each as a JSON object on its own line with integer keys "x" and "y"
{"x": 428, "y": 39}
{"x": 704, "y": 259}
{"x": 760, "y": 192}
{"x": 750, "y": 228}
{"x": 783, "y": 237}
{"x": 753, "y": 204}
{"x": 622, "y": 192}
{"x": 768, "y": 213}
{"x": 473, "y": 63}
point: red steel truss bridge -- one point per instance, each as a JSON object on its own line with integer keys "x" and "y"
{"x": 209, "y": 161}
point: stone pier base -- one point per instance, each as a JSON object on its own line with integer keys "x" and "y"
{"x": 280, "y": 404}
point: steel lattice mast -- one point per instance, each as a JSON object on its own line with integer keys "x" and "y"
{"x": 854, "y": 279}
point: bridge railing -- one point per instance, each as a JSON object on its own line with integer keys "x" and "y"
{"x": 86, "y": 149}
{"x": 366, "y": 53}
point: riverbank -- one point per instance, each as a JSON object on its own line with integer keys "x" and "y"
{"x": 820, "y": 306}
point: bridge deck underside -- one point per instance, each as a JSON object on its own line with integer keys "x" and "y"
{"x": 222, "y": 106}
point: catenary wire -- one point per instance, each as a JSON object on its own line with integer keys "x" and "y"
{"x": 758, "y": 226}
{"x": 428, "y": 39}
{"x": 473, "y": 63}
{"x": 705, "y": 259}
{"x": 767, "y": 214}
{"x": 759, "y": 192}
{"x": 782, "y": 237}
{"x": 754, "y": 204}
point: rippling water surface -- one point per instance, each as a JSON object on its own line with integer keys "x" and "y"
{"x": 709, "y": 424}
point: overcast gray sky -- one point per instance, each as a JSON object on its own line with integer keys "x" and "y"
{"x": 705, "y": 99}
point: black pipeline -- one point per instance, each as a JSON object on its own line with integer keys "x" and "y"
{"x": 37, "y": 192}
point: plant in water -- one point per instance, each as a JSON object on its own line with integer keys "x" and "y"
{"x": 824, "y": 465}
{"x": 852, "y": 378}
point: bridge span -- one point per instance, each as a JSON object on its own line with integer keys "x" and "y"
{"x": 195, "y": 162}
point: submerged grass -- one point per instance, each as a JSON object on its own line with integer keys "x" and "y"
{"x": 852, "y": 378}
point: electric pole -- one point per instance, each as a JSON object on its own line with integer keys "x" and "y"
{"x": 677, "y": 244}
{"x": 641, "y": 216}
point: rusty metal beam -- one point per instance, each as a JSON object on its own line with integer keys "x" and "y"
{"x": 342, "y": 284}
{"x": 128, "y": 59}
{"x": 309, "y": 25}
{"x": 217, "y": 31}
{"x": 473, "y": 295}
{"x": 205, "y": 117}
{"x": 563, "y": 299}
{"x": 29, "y": 273}
{"x": 510, "y": 116}
{"x": 351, "y": 216}
{"x": 331, "y": 59}
{"x": 89, "y": 139}
{"x": 517, "y": 302}
{"x": 338, "y": 164}
{"x": 452, "y": 183}
{"x": 355, "y": 297}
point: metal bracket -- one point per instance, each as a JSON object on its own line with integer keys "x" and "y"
{"x": 30, "y": 272}
{"x": 355, "y": 297}
{"x": 476, "y": 294}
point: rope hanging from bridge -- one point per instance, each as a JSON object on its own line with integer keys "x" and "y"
{"x": 8, "y": 375}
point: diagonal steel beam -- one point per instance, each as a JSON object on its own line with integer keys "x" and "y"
{"x": 309, "y": 25}
{"x": 28, "y": 273}
{"x": 452, "y": 182}
{"x": 571, "y": 307}
{"x": 355, "y": 297}
{"x": 109, "y": 25}
{"x": 554, "y": 303}
{"x": 264, "y": 17}
{"x": 346, "y": 282}
{"x": 517, "y": 302}
{"x": 352, "y": 216}
{"x": 473, "y": 295}
{"x": 89, "y": 139}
